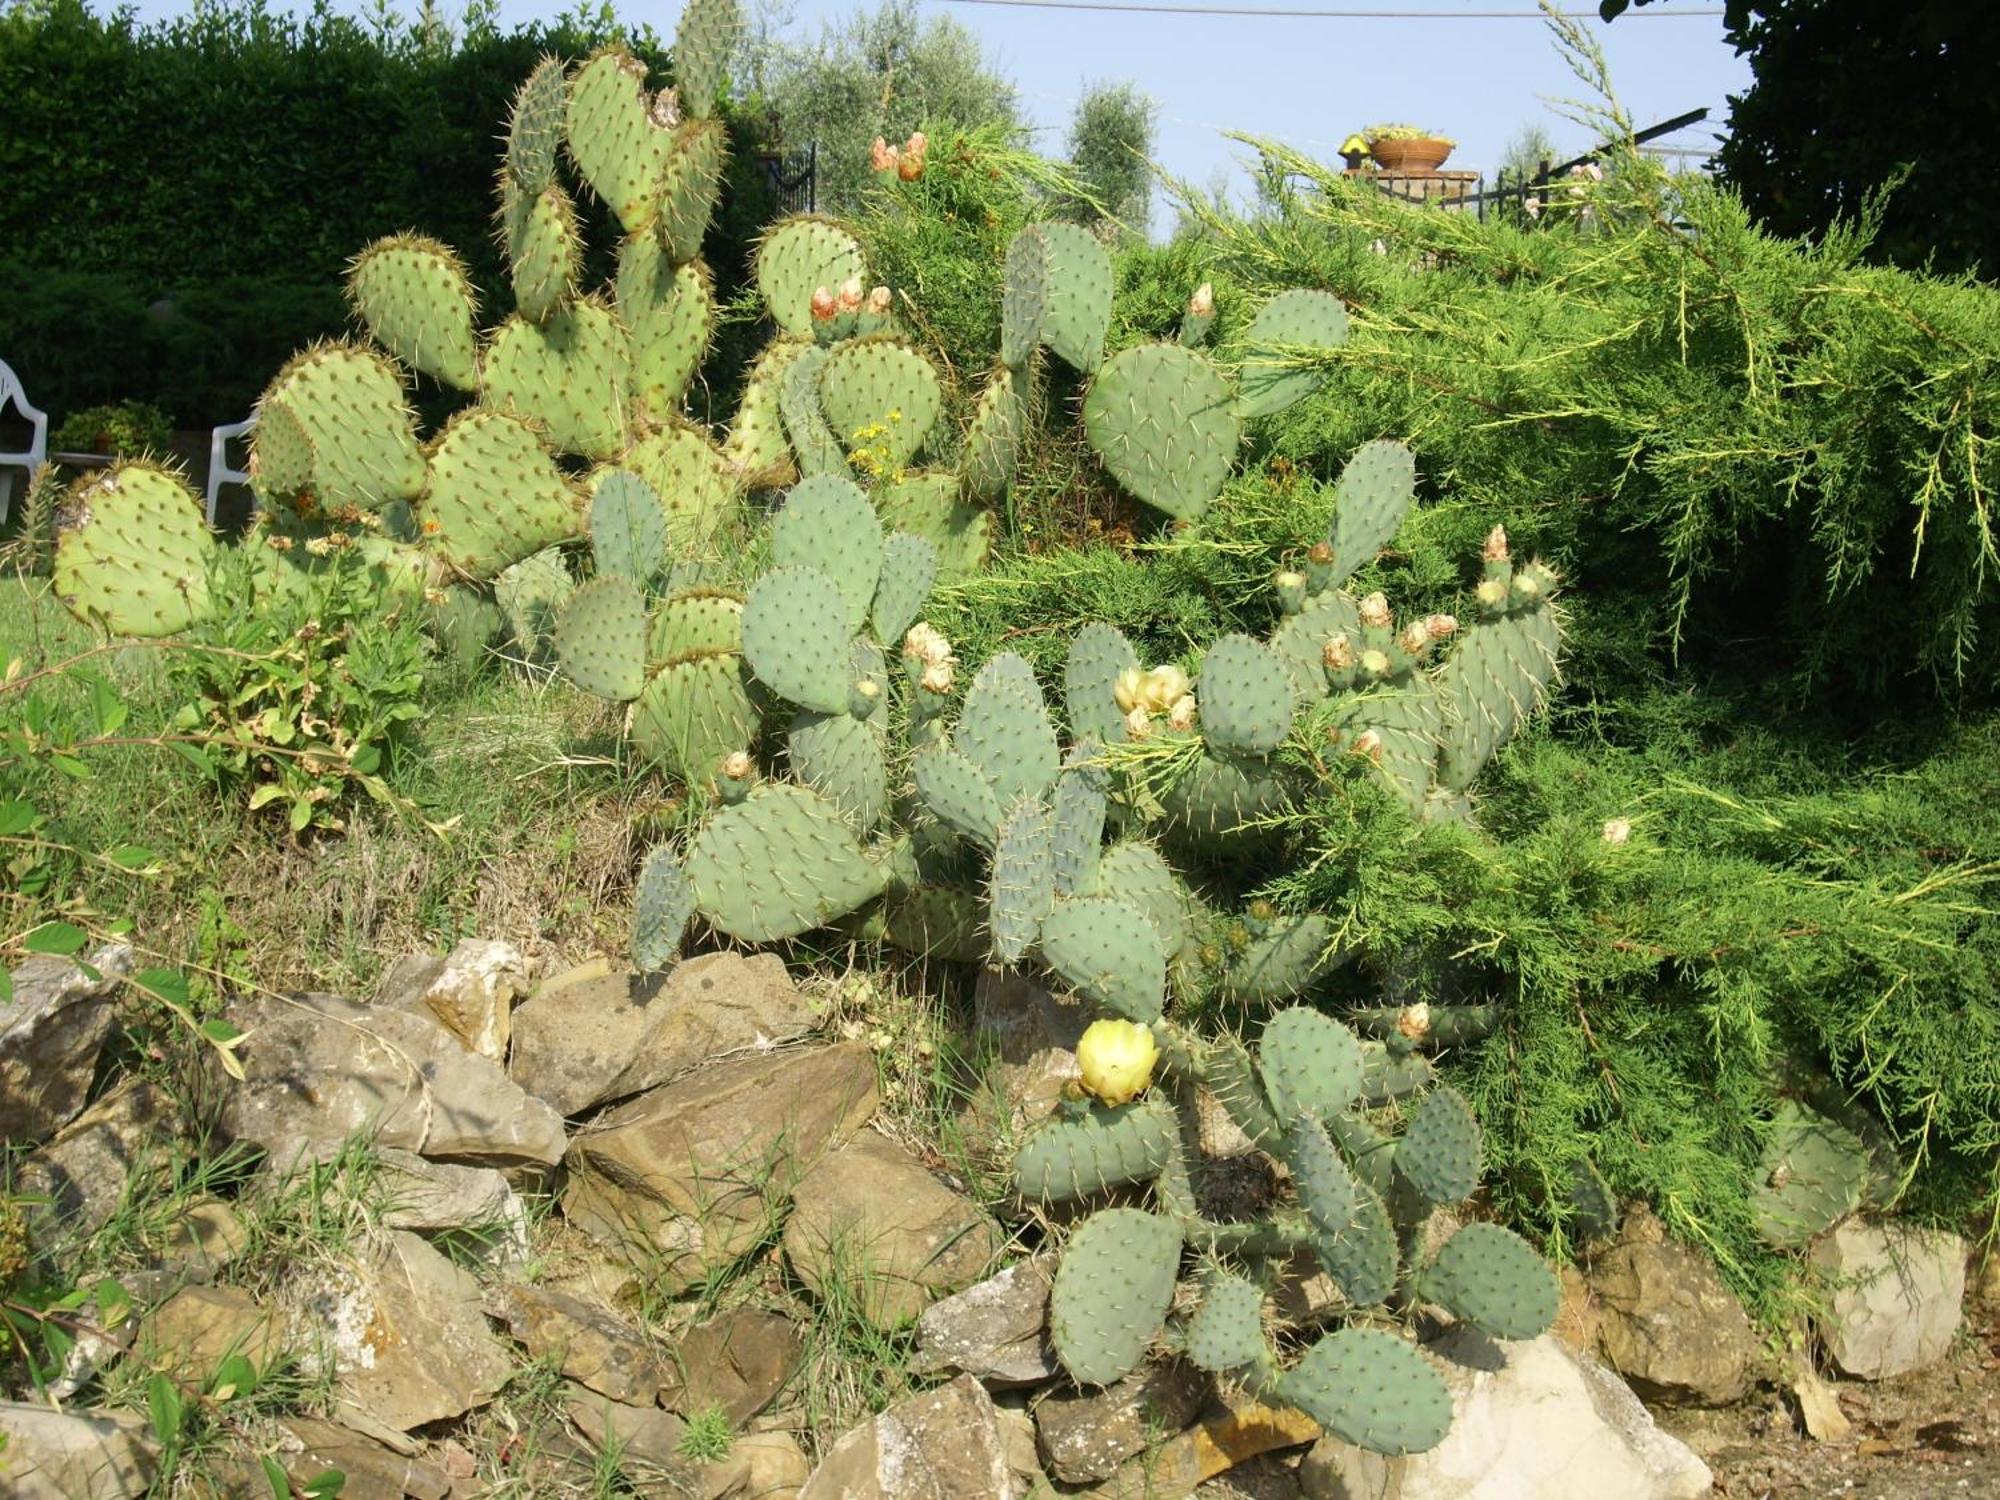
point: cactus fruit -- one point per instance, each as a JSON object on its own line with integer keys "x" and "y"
{"x": 1022, "y": 889}
{"x": 1291, "y": 326}
{"x": 1160, "y": 419}
{"x": 1488, "y": 1276}
{"x": 778, "y": 863}
{"x": 1374, "y": 494}
{"x": 350, "y": 402}
{"x": 1246, "y": 697}
{"x": 1116, "y": 1060}
{"x": 795, "y": 636}
{"x": 616, "y": 143}
{"x": 1371, "y": 1389}
{"x": 415, "y": 297}
{"x": 799, "y": 256}
{"x": 600, "y": 639}
{"x": 135, "y": 558}
{"x": 662, "y": 903}
{"x": 495, "y": 494}
{"x": 1109, "y": 953}
{"x": 669, "y": 311}
{"x": 568, "y": 373}
{"x": 1004, "y": 730}
{"x": 1814, "y": 1173}
{"x": 1111, "y": 1293}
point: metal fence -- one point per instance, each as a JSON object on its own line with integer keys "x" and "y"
{"x": 793, "y": 177}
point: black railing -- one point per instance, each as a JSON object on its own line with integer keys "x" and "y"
{"x": 793, "y": 178}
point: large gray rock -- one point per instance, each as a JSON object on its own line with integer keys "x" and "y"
{"x": 872, "y": 1216}
{"x": 403, "y": 1331}
{"x": 319, "y": 1069}
{"x": 1085, "y": 1435}
{"x": 125, "y": 1139}
{"x": 1532, "y": 1421}
{"x": 738, "y": 1360}
{"x": 591, "y": 1344}
{"x": 50, "y": 1035}
{"x": 997, "y": 1330}
{"x": 470, "y": 992}
{"x": 947, "y": 1444}
{"x": 433, "y": 1196}
{"x": 597, "y": 1033}
{"x": 51, "y": 1455}
{"x": 1667, "y": 1323}
{"x": 1894, "y": 1298}
{"x": 685, "y": 1178}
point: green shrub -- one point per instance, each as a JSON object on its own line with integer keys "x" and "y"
{"x": 125, "y": 429}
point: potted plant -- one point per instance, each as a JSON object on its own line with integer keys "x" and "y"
{"x": 1407, "y": 148}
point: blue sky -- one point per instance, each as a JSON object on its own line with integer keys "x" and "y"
{"x": 1307, "y": 81}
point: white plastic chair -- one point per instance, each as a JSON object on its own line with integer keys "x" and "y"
{"x": 219, "y": 472}
{"x": 37, "y": 452}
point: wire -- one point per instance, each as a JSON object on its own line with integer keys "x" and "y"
{"x": 1336, "y": 15}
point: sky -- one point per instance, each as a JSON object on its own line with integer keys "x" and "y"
{"x": 1307, "y": 81}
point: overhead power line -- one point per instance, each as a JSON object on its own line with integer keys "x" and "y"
{"x": 1332, "y": 15}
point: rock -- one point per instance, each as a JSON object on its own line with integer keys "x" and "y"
{"x": 433, "y": 1196}
{"x": 1226, "y": 1439}
{"x": 51, "y": 1455}
{"x": 1577, "y": 1314}
{"x": 1532, "y": 1421}
{"x": 772, "y": 1466}
{"x": 592, "y": 1345}
{"x": 685, "y": 1177}
{"x": 189, "y": 1335}
{"x": 1667, "y": 1323}
{"x": 319, "y": 1069}
{"x": 404, "y": 1332}
{"x": 596, "y": 1033}
{"x": 50, "y": 1036}
{"x": 1895, "y": 1296}
{"x": 310, "y": 1447}
{"x": 738, "y": 1361}
{"x": 204, "y": 1238}
{"x": 644, "y": 1433}
{"x": 996, "y": 1330}
{"x": 125, "y": 1138}
{"x": 471, "y": 993}
{"x": 870, "y": 1214}
{"x": 1086, "y": 1436}
{"x": 947, "y": 1444}
{"x": 1033, "y": 1037}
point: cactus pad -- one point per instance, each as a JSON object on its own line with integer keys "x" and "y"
{"x": 662, "y": 903}
{"x": 909, "y": 568}
{"x": 1439, "y": 1154}
{"x": 1361, "y": 1258}
{"x": 364, "y": 442}
{"x": 628, "y": 529}
{"x": 1407, "y": 720}
{"x": 1233, "y": 1080}
{"x": 1371, "y": 1389}
{"x": 1376, "y": 488}
{"x": 1219, "y": 799}
{"x": 1134, "y": 873}
{"x": 696, "y": 709}
{"x": 495, "y": 494}
{"x": 819, "y": 450}
{"x": 1057, "y": 291}
{"x": 840, "y": 757}
{"x": 881, "y": 396}
{"x": 936, "y": 921}
{"x": 1301, "y": 639}
{"x": 1112, "y": 1292}
{"x": 828, "y": 524}
{"x": 756, "y": 446}
{"x": 283, "y": 451}
{"x": 669, "y": 311}
{"x": 535, "y": 125}
{"x": 1492, "y": 682}
{"x": 1159, "y": 416}
{"x": 704, "y": 42}
{"x": 1310, "y": 1064}
{"x": 137, "y": 558}
{"x": 689, "y": 183}
{"x": 928, "y": 505}
{"x": 415, "y": 297}
{"x": 568, "y": 373}
{"x": 600, "y": 639}
{"x": 1282, "y": 961}
{"x": 1021, "y": 891}
{"x": 532, "y": 593}
{"x": 957, "y": 792}
{"x": 1326, "y": 1188}
{"x": 1004, "y": 730}
{"x": 1097, "y": 656}
{"x": 1024, "y": 299}
{"x": 1082, "y": 797}
{"x": 797, "y": 257}
{"x": 1226, "y": 1332}
{"x": 780, "y": 862}
{"x": 1246, "y": 697}
{"x": 698, "y": 620}
{"x": 1814, "y": 1173}
{"x": 695, "y": 483}
{"x": 795, "y": 635}
{"x": 544, "y": 247}
{"x": 1489, "y": 1277}
{"x": 1290, "y": 324}
{"x": 1109, "y": 953}
{"x": 993, "y": 441}
{"x": 614, "y": 139}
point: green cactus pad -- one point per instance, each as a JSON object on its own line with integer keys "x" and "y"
{"x": 1448, "y": 1025}
{"x": 1109, "y": 953}
{"x": 696, "y": 709}
{"x": 828, "y": 524}
{"x": 1301, "y": 639}
{"x": 1327, "y": 1190}
{"x": 936, "y": 922}
{"x": 569, "y": 374}
{"x": 535, "y": 125}
{"x": 1111, "y": 1293}
{"x": 796, "y": 257}
{"x": 818, "y": 450}
{"x": 1490, "y": 684}
{"x": 697, "y": 620}
{"x": 1232, "y": 1078}
{"x": 1408, "y": 720}
{"x": 1282, "y": 961}
{"x": 1593, "y": 1207}
{"x": 928, "y": 505}
{"x": 544, "y": 248}
{"x": 690, "y": 182}
{"x": 136, "y": 558}
{"x": 1097, "y": 657}
{"x": 1374, "y": 495}
{"x": 1246, "y": 697}
{"x": 993, "y": 441}
{"x": 1218, "y": 800}
{"x": 1290, "y": 324}
{"x": 1387, "y": 1074}
{"x": 1134, "y": 873}
{"x": 841, "y": 758}
{"x": 1004, "y": 730}
{"x": 614, "y": 138}
{"x": 957, "y": 792}
{"x": 1024, "y": 298}
{"x": 1159, "y": 416}
{"x": 704, "y": 42}
{"x": 1489, "y": 1277}
{"x": 1814, "y": 1173}
{"x": 1057, "y": 292}
{"x": 1021, "y": 891}
{"x": 1439, "y": 1154}
{"x": 495, "y": 494}
{"x": 1196, "y": 327}
{"x": 281, "y": 451}
{"x": 1082, "y": 797}
{"x": 628, "y": 527}
{"x": 882, "y": 397}
{"x": 462, "y": 625}
{"x": 532, "y": 593}
{"x": 1310, "y": 1064}
{"x": 696, "y": 484}
{"x": 795, "y": 635}
{"x": 1362, "y": 1258}
{"x": 1226, "y": 1332}
{"x": 780, "y": 862}
{"x": 600, "y": 639}
{"x": 1371, "y": 1389}
{"x": 415, "y": 297}
{"x": 669, "y": 312}
{"x": 909, "y": 569}
{"x": 756, "y": 446}
{"x": 350, "y": 402}
{"x": 662, "y": 902}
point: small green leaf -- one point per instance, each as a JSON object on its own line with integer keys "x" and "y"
{"x": 16, "y": 818}
{"x": 220, "y": 1032}
{"x": 326, "y": 1485}
{"x": 71, "y": 767}
{"x": 274, "y": 1476}
{"x": 302, "y": 813}
{"x": 169, "y": 985}
{"x": 235, "y": 1376}
{"x": 114, "y": 1303}
{"x": 164, "y": 1405}
{"x": 265, "y": 794}
{"x": 130, "y": 856}
{"x": 59, "y": 938}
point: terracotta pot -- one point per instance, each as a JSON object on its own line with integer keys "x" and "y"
{"x": 1414, "y": 154}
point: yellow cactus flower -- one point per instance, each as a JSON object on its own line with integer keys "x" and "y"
{"x": 1117, "y": 1060}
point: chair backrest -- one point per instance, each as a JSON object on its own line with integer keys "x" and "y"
{"x": 219, "y": 472}
{"x": 36, "y": 453}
